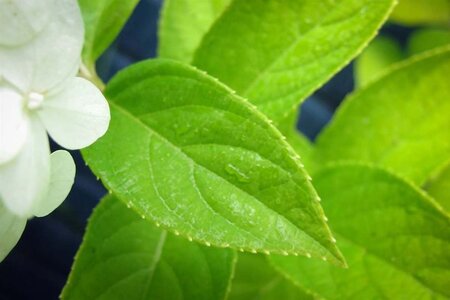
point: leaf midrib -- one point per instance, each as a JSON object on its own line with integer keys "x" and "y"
{"x": 147, "y": 128}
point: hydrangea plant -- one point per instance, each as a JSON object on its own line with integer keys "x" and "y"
{"x": 213, "y": 194}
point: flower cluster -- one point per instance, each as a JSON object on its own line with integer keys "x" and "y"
{"x": 40, "y": 49}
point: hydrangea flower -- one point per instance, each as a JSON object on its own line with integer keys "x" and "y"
{"x": 40, "y": 49}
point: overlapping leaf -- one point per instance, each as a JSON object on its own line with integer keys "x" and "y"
{"x": 103, "y": 20}
{"x": 187, "y": 153}
{"x": 277, "y": 52}
{"x": 421, "y": 12}
{"x": 438, "y": 186}
{"x": 395, "y": 238}
{"x": 255, "y": 278}
{"x": 182, "y": 25}
{"x": 126, "y": 257}
{"x": 401, "y": 121}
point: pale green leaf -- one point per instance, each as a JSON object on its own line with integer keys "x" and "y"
{"x": 277, "y": 52}
{"x": 395, "y": 238}
{"x": 376, "y": 58}
{"x": 401, "y": 121}
{"x": 187, "y": 153}
{"x": 182, "y": 25}
{"x": 103, "y": 20}
{"x": 11, "y": 228}
{"x": 438, "y": 186}
{"x": 126, "y": 257}
{"x": 256, "y": 279}
{"x": 426, "y": 39}
{"x": 420, "y": 12}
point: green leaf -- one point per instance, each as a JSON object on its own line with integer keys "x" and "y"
{"x": 277, "y": 52}
{"x": 421, "y": 12}
{"x": 395, "y": 238}
{"x": 401, "y": 121}
{"x": 103, "y": 20}
{"x": 11, "y": 229}
{"x": 256, "y": 279}
{"x": 376, "y": 58}
{"x": 426, "y": 39}
{"x": 438, "y": 186}
{"x": 126, "y": 257}
{"x": 183, "y": 24}
{"x": 187, "y": 153}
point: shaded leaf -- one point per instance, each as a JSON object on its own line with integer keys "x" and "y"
{"x": 420, "y": 12}
{"x": 401, "y": 121}
{"x": 182, "y": 25}
{"x": 376, "y": 58}
{"x": 438, "y": 186}
{"x": 103, "y": 20}
{"x": 395, "y": 238}
{"x": 426, "y": 39}
{"x": 277, "y": 52}
{"x": 256, "y": 279}
{"x": 187, "y": 153}
{"x": 126, "y": 257}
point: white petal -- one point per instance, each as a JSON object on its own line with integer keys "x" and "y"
{"x": 21, "y": 20}
{"x": 62, "y": 175}
{"x": 25, "y": 179}
{"x": 13, "y": 125}
{"x": 76, "y": 116}
{"x": 51, "y": 56}
{"x": 11, "y": 228}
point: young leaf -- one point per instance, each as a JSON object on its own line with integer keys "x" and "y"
{"x": 255, "y": 278}
{"x": 103, "y": 20}
{"x": 401, "y": 121}
{"x": 395, "y": 238}
{"x": 186, "y": 152}
{"x": 277, "y": 52}
{"x": 422, "y": 12}
{"x": 126, "y": 257}
{"x": 438, "y": 186}
{"x": 376, "y": 58}
{"x": 182, "y": 25}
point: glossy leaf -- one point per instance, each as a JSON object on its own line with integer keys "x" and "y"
{"x": 395, "y": 238}
{"x": 376, "y": 58}
{"x": 438, "y": 186}
{"x": 103, "y": 20}
{"x": 401, "y": 121}
{"x": 277, "y": 52}
{"x": 422, "y": 12}
{"x": 126, "y": 257}
{"x": 187, "y": 153}
{"x": 183, "y": 24}
{"x": 256, "y": 279}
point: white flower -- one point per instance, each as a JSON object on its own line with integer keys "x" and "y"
{"x": 40, "y": 48}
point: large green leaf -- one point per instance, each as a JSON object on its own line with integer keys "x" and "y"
{"x": 182, "y": 25}
{"x": 187, "y": 153}
{"x": 381, "y": 53}
{"x": 401, "y": 121}
{"x": 395, "y": 238}
{"x": 438, "y": 186}
{"x": 103, "y": 20}
{"x": 419, "y": 12}
{"x": 277, "y": 52}
{"x": 126, "y": 257}
{"x": 256, "y": 279}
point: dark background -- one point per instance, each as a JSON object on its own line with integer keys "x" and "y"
{"x": 38, "y": 266}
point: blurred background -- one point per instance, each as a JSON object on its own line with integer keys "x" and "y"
{"x": 39, "y": 265}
